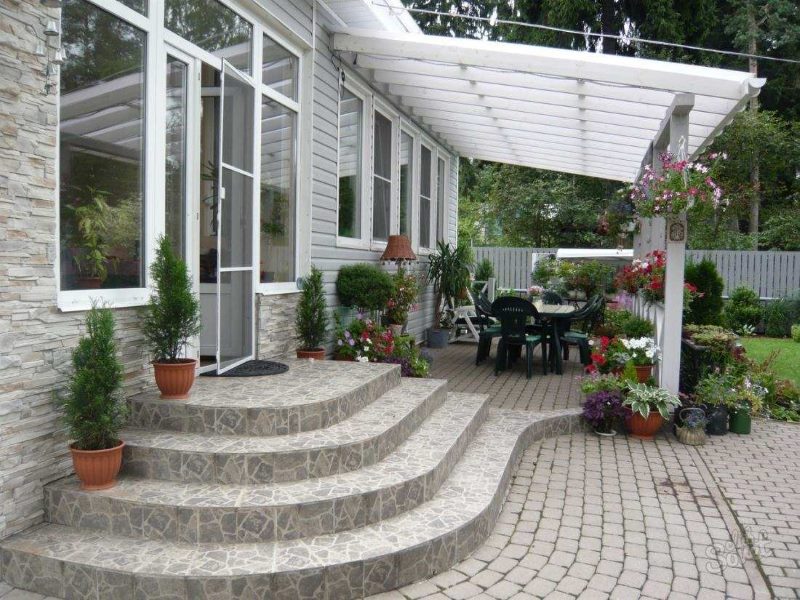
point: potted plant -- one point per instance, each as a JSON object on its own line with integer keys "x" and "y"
{"x": 692, "y": 430}
{"x": 311, "y": 320}
{"x": 364, "y": 287}
{"x": 171, "y": 317}
{"x": 603, "y": 409}
{"x": 643, "y": 353}
{"x": 649, "y": 407}
{"x": 94, "y": 410}
{"x": 404, "y": 293}
{"x": 748, "y": 400}
{"x": 89, "y": 224}
{"x": 363, "y": 340}
{"x": 449, "y": 272}
{"x": 714, "y": 392}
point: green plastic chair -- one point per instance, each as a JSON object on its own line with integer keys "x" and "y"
{"x": 513, "y": 314}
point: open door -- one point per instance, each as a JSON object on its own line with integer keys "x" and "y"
{"x": 235, "y": 221}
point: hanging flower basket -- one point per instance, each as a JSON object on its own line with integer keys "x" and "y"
{"x": 681, "y": 186}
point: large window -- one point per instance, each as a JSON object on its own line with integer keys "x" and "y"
{"x": 175, "y": 164}
{"x": 102, "y": 143}
{"x": 278, "y": 195}
{"x": 382, "y": 178}
{"x": 351, "y": 124}
{"x": 279, "y": 68}
{"x": 214, "y": 27}
{"x": 406, "y": 182}
{"x": 441, "y": 199}
{"x": 425, "y": 215}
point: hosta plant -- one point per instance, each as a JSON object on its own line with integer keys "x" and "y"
{"x": 643, "y": 399}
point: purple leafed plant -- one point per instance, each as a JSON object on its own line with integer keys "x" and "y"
{"x": 603, "y": 409}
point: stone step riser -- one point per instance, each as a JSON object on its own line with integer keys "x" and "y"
{"x": 171, "y": 415}
{"x": 275, "y": 467}
{"x": 201, "y": 525}
{"x": 61, "y": 578}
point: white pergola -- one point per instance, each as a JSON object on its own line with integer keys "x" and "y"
{"x": 561, "y": 110}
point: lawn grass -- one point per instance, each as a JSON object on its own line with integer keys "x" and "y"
{"x": 787, "y": 363}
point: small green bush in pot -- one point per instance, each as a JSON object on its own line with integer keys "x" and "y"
{"x": 449, "y": 273}
{"x": 742, "y": 312}
{"x": 311, "y": 320}
{"x": 170, "y": 320}
{"x": 94, "y": 409}
{"x": 364, "y": 286}
{"x": 637, "y": 327}
{"x": 649, "y": 406}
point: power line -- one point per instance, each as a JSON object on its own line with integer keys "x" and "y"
{"x": 492, "y": 21}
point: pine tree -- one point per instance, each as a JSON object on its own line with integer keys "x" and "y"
{"x": 312, "y": 312}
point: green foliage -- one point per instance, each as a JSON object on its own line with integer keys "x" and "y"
{"x": 637, "y": 327}
{"x": 405, "y": 289}
{"x": 613, "y": 322}
{"x": 87, "y": 227}
{"x": 545, "y": 270}
{"x": 94, "y": 410}
{"x": 311, "y": 320}
{"x": 172, "y": 315}
{"x": 779, "y": 315}
{"x": 449, "y": 272}
{"x": 743, "y": 310}
{"x": 796, "y": 333}
{"x": 642, "y": 398}
{"x": 782, "y": 231}
{"x": 707, "y": 308}
{"x": 591, "y": 277}
{"x": 601, "y": 383}
{"x": 484, "y": 271}
{"x": 364, "y": 286}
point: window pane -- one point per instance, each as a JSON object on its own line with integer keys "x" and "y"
{"x": 382, "y": 181}
{"x": 236, "y": 297}
{"x": 441, "y": 201}
{"x": 175, "y": 167}
{"x": 406, "y": 179}
{"x": 278, "y": 195}
{"x": 214, "y": 27}
{"x": 102, "y": 108}
{"x": 137, "y": 5}
{"x": 237, "y": 123}
{"x": 350, "y": 136}
{"x": 425, "y": 198}
{"x": 279, "y": 68}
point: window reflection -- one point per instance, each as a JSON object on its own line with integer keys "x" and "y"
{"x": 278, "y": 195}
{"x": 175, "y": 164}
{"x": 350, "y": 136}
{"x": 214, "y": 27}
{"x": 425, "y": 198}
{"x": 406, "y": 179}
{"x": 279, "y": 68}
{"x": 382, "y": 180}
{"x": 102, "y": 107}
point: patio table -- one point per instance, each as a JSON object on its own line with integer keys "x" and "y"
{"x": 555, "y": 314}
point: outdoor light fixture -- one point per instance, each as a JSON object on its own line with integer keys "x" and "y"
{"x": 58, "y": 57}
{"x": 41, "y": 49}
{"x": 52, "y": 29}
{"x": 398, "y": 250}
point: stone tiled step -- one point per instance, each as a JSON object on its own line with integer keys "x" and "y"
{"x": 209, "y": 513}
{"x": 311, "y": 395}
{"x": 360, "y": 441}
{"x": 66, "y": 562}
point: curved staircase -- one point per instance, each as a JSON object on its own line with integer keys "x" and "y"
{"x": 334, "y": 480}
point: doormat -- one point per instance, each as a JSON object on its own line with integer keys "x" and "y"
{"x": 253, "y": 368}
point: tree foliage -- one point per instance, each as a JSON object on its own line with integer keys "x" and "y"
{"x": 311, "y": 320}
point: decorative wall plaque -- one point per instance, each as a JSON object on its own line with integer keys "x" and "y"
{"x": 676, "y": 230}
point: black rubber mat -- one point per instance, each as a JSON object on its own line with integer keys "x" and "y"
{"x": 253, "y": 368}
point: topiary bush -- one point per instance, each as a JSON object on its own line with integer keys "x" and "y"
{"x": 94, "y": 409}
{"x": 705, "y": 309}
{"x": 364, "y": 286}
{"x": 778, "y": 318}
{"x": 636, "y": 327}
{"x": 743, "y": 310}
{"x": 311, "y": 320}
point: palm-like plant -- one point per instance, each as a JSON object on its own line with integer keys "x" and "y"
{"x": 448, "y": 271}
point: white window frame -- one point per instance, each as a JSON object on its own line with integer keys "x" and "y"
{"x": 423, "y": 248}
{"x": 443, "y": 204}
{"x": 159, "y": 42}
{"x": 367, "y": 115}
{"x": 390, "y": 113}
{"x": 413, "y": 132}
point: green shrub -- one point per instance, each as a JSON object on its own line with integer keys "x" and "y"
{"x": 94, "y": 410}
{"x": 743, "y": 310}
{"x": 796, "y": 333}
{"x": 778, "y": 318}
{"x": 172, "y": 315}
{"x": 311, "y": 320}
{"x": 364, "y": 286}
{"x": 545, "y": 270}
{"x": 707, "y": 308}
{"x": 484, "y": 270}
{"x": 636, "y": 327}
{"x": 613, "y": 322}
{"x": 591, "y": 277}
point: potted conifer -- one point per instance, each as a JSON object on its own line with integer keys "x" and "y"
{"x": 171, "y": 317}
{"x": 94, "y": 410}
{"x": 312, "y": 317}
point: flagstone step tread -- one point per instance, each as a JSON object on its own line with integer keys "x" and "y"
{"x": 362, "y": 440}
{"x": 63, "y": 561}
{"x": 311, "y": 395}
{"x": 207, "y": 513}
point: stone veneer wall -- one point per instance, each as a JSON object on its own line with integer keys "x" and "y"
{"x": 276, "y": 331}
{"x": 36, "y": 339}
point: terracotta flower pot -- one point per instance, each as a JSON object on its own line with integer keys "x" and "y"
{"x": 97, "y": 469}
{"x": 643, "y": 373}
{"x": 316, "y": 353}
{"x": 175, "y": 379}
{"x": 645, "y": 429}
